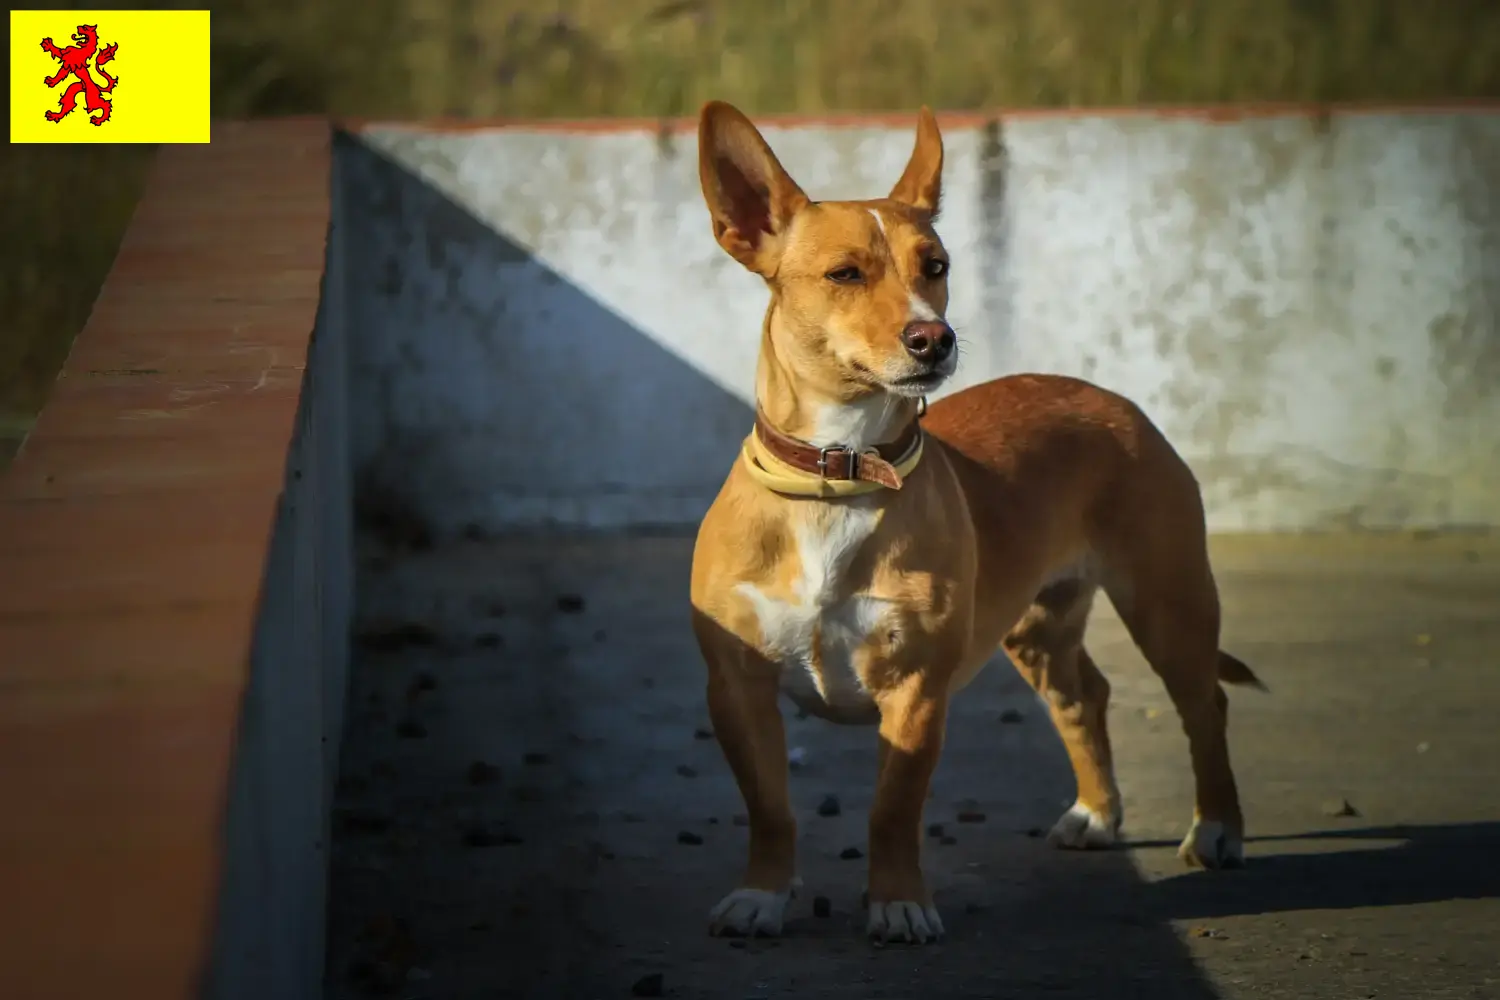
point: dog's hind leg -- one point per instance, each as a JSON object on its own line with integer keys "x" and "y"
{"x": 1046, "y": 646}
{"x": 1170, "y": 605}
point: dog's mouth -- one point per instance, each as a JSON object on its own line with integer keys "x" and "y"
{"x": 919, "y": 384}
{"x": 914, "y": 384}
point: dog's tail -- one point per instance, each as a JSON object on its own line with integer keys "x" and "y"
{"x": 1234, "y": 671}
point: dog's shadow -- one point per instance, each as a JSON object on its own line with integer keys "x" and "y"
{"x": 1382, "y": 866}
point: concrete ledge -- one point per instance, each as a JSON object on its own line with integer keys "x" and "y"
{"x": 172, "y": 560}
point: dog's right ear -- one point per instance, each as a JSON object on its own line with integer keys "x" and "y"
{"x": 750, "y": 197}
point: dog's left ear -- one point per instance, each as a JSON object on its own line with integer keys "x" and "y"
{"x": 921, "y": 186}
{"x": 750, "y": 195}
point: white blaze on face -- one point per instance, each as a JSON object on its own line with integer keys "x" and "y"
{"x": 919, "y": 310}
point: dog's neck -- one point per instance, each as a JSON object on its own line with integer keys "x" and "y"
{"x": 858, "y": 421}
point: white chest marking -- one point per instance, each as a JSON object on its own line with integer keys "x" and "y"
{"x": 859, "y": 424}
{"x": 815, "y": 632}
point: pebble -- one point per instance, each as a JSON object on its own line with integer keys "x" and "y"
{"x": 1010, "y": 717}
{"x": 483, "y": 773}
{"x": 829, "y": 806}
{"x": 398, "y": 636}
{"x": 851, "y": 854}
{"x": 1208, "y": 932}
{"x": 650, "y": 985}
{"x": 363, "y": 821}
{"x": 970, "y": 816}
{"x": 703, "y": 733}
{"x": 352, "y": 784}
{"x": 934, "y": 829}
{"x": 796, "y": 758}
{"x": 572, "y": 604}
{"x": 479, "y": 836}
{"x": 689, "y": 838}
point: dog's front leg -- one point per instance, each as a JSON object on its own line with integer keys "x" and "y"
{"x": 912, "y": 720}
{"x": 747, "y": 722}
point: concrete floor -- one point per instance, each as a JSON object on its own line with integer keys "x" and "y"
{"x": 524, "y": 760}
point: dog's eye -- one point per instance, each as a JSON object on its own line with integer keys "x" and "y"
{"x": 934, "y": 268}
{"x": 845, "y": 275}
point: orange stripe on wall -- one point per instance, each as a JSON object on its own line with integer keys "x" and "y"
{"x": 1224, "y": 113}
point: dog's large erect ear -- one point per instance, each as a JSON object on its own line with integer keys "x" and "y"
{"x": 921, "y": 185}
{"x": 750, "y": 197}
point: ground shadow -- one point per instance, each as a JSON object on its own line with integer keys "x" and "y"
{"x": 1396, "y": 866}
{"x": 533, "y": 806}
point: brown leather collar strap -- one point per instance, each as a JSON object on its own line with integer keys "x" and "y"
{"x": 838, "y": 462}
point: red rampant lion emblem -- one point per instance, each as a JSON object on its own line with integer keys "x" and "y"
{"x": 75, "y": 62}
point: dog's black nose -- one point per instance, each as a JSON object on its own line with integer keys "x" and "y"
{"x": 930, "y": 341}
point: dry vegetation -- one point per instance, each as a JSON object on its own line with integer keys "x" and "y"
{"x": 67, "y": 207}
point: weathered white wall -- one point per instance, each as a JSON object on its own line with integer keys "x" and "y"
{"x": 545, "y": 330}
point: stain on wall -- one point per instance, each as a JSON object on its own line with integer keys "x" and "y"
{"x": 1309, "y": 306}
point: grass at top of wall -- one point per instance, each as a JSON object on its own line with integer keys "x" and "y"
{"x": 665, "y": 57}
{"x": 65, "y": 209}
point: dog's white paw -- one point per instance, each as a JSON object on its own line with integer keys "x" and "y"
{"x": 1081, "y": 829}
{"x": 904, "y": 921}
{"x": 1209, "y": 844}
{"x": 751, "y": 912}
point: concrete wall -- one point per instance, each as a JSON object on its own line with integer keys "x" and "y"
{"x": 1309, "y": 307}
{"x": 269, "y": 941}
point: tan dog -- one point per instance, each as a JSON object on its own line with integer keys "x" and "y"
{"x": 867, "y": 568}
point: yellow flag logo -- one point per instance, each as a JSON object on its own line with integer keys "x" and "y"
{"x": 109, "y": 76}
